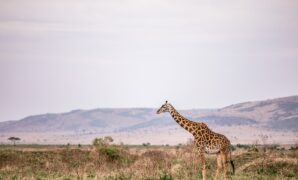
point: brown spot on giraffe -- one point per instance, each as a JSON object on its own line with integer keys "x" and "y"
{"x": 206, "y": 140}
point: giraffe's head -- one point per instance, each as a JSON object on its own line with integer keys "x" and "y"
{"x": 164, "y": 108}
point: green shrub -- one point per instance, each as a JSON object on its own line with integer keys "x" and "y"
{"x": 253, "y": 149}
{"x": 112, "y": 153}
{"x": 106, "y": 149}
{"x": 293, "y": 148}
{"x": 118, "y": 178}
{"x": 243, "y": 146}
{"x": 146, "y": 144}
{"x": 274, "y": 169}
{"x": 165, "y": 177}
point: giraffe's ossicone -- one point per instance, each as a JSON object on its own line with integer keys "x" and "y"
{"x": 206, "y": 140}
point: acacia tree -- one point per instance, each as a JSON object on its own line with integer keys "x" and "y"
{"x": 14, "y": 139}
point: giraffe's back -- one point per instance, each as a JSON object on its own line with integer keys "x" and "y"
{"x": 217, "y": 143}
{"x": 212, "y": 142}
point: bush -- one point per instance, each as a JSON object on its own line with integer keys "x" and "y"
{"x": 233, "y": 148}
{"x": 293, "y": 148}
{"x": 146, "y": 144}
{"x": 112, "y": 153}
{"x": 273, "y": 169}
{"x": 107, "y": 150}
{"x": 165, "y": 177}
{"x": 243, "y": 146}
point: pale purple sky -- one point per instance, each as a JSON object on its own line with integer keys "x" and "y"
{"x": 59, "y": 55}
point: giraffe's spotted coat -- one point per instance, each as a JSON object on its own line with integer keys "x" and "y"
{"x": 206, "y": 140}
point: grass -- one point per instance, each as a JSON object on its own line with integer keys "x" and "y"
{"x": 121, "y": 162}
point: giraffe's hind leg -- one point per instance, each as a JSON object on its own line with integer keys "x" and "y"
{"x": 203, "y": 163}
{"x": 219, "y": 166}
{"x": 224, "y": 156}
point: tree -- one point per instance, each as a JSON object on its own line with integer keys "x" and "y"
{"x": 14, "y": 139}
{"x": 103, "y": 142}
{"x": 146, "y": 144}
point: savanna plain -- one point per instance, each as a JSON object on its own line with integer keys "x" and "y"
{"x": 108, "y": 161}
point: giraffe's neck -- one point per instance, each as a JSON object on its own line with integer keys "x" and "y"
{"x": 182, "y": 121}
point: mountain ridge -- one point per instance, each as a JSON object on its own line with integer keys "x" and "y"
{"x": 274, "y": 115}
{"x": 250, "y": 112}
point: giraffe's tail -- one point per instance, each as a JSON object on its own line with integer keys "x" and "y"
{"x": 231, "y": 161}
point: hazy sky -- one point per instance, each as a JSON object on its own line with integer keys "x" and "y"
{"x": 59, "y": 55}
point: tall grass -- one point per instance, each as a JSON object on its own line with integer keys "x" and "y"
{"x": 109, "y": 161}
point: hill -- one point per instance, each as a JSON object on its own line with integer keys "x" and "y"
{"x": 268, "y": 116}
{"x": 278, "y": 114}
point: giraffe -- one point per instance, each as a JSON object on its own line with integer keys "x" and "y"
{"x": 206, "y": 141}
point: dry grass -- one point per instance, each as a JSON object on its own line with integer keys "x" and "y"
{"x": 121, "y": 162}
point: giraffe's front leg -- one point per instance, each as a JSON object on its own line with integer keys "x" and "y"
{"x": 203, "y": 163}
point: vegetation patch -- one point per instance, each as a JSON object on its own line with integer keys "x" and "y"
{"x": 105, "y": 160}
